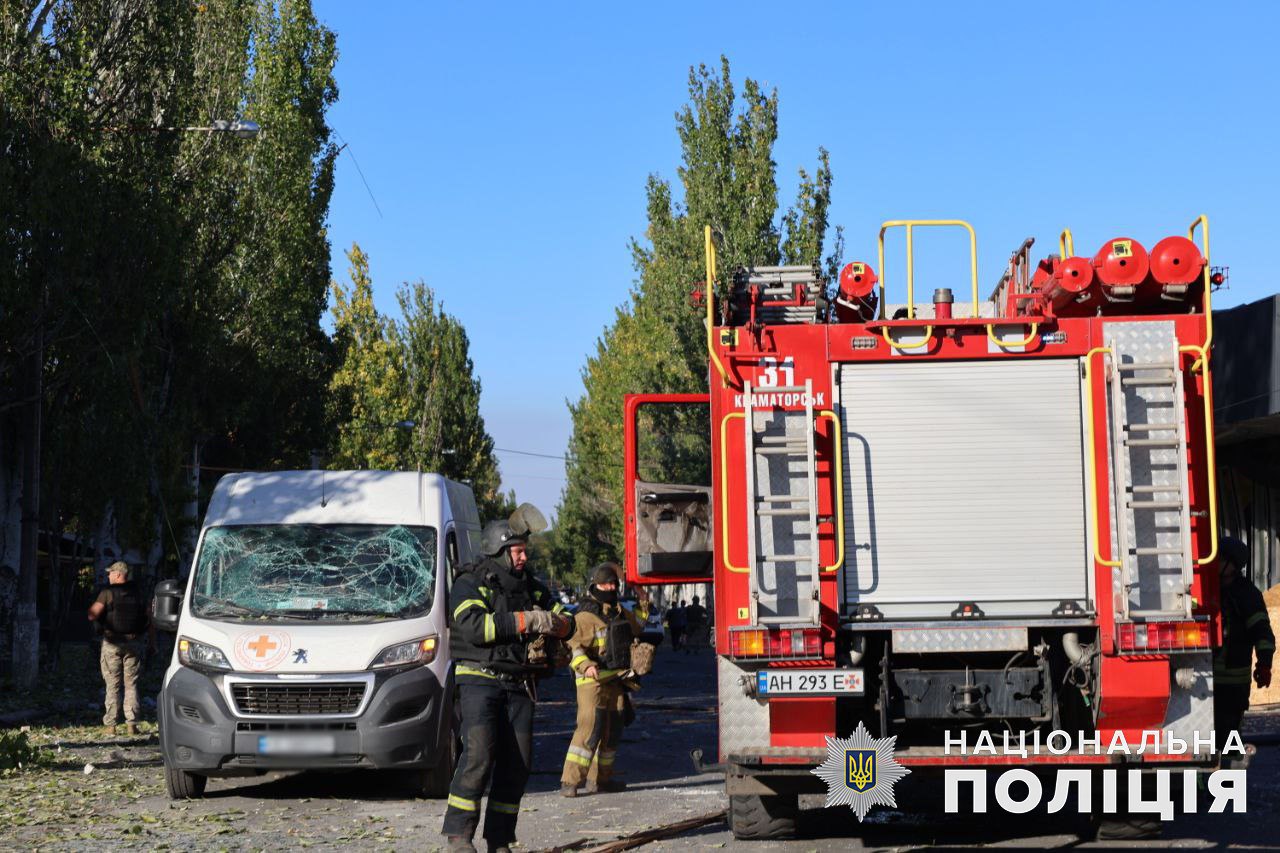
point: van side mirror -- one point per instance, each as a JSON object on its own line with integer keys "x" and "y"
{"x": 166, "y": 606}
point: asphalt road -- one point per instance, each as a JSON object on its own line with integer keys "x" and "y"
{"x": 119, "y": 801}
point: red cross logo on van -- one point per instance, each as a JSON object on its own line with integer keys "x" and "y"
{"x": 261, "y": 650}
{"x": 262, "y": 645}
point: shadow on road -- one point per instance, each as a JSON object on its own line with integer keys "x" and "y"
{"x": 675, "y": 712}
{"x": 360, "y": 785}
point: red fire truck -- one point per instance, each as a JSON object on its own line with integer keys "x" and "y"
{"x": 946, "y": 516}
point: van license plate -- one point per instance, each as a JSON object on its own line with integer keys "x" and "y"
{"x": 810, "y": 682}
{"x": 296, "y": 745}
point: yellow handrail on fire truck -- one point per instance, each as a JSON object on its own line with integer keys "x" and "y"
{"x": 1091, "y": 439}
{"x": 724, "y": 488}
{"x": 837, "y": 439}
{"x": 1203, "y": 220}
{"x": 928, "y": 339}
{"x": 911, "y": 224}
{"x": 1201, "y": 364}
{"x": 710, "y": 249}
{"x": 1066, "y": 245}
{"x": 1210, "y": 453}
{"x": 1001, "y": 342}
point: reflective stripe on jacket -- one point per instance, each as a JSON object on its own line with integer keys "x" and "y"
{"x": 482, "y": 607}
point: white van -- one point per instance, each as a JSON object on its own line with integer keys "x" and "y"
{"x": 312, "y": 632}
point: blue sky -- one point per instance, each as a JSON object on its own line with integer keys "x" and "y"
{"x": 508, "y": 145}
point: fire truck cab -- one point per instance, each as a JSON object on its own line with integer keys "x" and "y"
{"x": 946, "y": 515}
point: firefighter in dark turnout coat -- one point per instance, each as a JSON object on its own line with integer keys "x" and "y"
{"x": 497, "y": 608}
{"x": 1246, "y": 630}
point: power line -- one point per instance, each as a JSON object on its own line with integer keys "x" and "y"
{"x": 506, "y": 475}
{"x": 346, "y": 146}
{"x": 561, "y": 457}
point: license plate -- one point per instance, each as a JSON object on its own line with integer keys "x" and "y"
{"x": 810, "y": 682}
{"x": 296, "y": 744}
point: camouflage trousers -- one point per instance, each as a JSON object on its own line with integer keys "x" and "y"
{"x": 121, "y": 662}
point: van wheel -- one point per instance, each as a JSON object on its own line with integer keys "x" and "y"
{"x": 183, "y": 785}
{"x": 441, "y": 776}
{"x": 754, "y": 817}
{"x": 434, "y": 784}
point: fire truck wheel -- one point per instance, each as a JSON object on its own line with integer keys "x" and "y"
{"x": 754, "y": 817}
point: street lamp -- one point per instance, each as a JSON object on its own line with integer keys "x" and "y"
{"x": 239, "y": 128}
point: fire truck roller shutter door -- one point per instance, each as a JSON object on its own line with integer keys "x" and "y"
{"x": 965, "y": 483}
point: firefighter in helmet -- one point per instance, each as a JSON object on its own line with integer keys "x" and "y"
{"x": 1246, "y": 629}
{"x": 498, "y": 609}
{"x": 600, "y": 649}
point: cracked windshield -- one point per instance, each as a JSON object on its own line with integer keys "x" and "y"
{"x": 311, "y": 571}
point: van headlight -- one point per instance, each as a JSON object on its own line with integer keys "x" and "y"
{"x": 421, "y": 651}
{"x": 199, "y": 655}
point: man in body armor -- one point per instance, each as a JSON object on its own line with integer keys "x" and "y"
{"x": 125, "y": 619}
{"x": 498, "y": 609}
{"x": 601, "y": 649}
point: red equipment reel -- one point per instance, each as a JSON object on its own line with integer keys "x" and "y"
{"x": 1176, "y": 261}
{"x": 1065, "y": 289}
{"x": 1122, "y": 266}
{"x": 857, "y": 296}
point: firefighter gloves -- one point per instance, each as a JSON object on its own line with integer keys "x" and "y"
{"x": 544, "y": 622}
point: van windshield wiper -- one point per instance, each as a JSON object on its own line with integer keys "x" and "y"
{"x": 376, "y": 614}
{"x": 318, "y": 613}
{"x": 222, "y": 607}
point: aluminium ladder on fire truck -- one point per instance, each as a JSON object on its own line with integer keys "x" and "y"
{"x": 1148, "y": 436}
{"x": 779, "y": 447}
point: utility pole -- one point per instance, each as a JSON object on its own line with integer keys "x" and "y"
{"x": 26, "y": 623}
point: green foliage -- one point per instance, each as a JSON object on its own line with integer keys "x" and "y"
{"x": 449, "y": 435}
{"x": 177, "y": 280}
{"x": 18, "y": 753}
{"x": 366, "y": 392}
{"x": 414, "y": 370}
{"x": 657, "y": 340}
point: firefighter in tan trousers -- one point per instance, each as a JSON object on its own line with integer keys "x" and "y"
{"x": 600, "y": 649}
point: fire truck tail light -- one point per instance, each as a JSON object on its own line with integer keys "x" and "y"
{"x": 1157, "y": 637}
{"x": 748, "y": 644}
{"x": 775, "y": 644}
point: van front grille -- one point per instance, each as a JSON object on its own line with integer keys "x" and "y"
{"x": 335, "y": 698}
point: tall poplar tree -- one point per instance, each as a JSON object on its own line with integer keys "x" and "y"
{"x": 405, "y": 395}
{"x": 366, "y": 391}
{"x": 442, "y": 394}
{"x": 657, "y": 340}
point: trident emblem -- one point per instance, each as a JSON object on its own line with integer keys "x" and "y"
{"x": 860, "y": 765}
